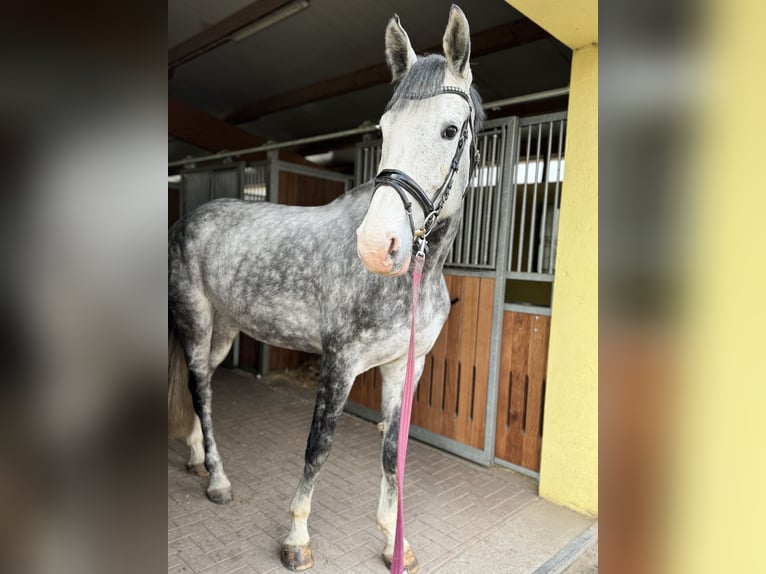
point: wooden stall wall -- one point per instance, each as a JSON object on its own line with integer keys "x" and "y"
{"x": 451, "y": 398}
{"x": 300, "y": 189}
{"x": 521, "y": 388}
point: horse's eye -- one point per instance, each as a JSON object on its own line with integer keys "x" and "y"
{"x": 449, "y": 132}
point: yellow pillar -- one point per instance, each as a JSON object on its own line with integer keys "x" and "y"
{"x": 569, "y": 464}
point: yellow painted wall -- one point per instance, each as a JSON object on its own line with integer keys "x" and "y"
{"x": 569, "y": 464}
{"x": 569, "y": 461}
{"x": 573, "y": 22}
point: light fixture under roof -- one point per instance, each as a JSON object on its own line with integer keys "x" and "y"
{"x": 270, "y": 19}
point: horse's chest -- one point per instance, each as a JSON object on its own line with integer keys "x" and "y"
{"x": 377, "y": 335}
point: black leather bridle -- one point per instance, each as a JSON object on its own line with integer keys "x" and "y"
{"x": 406, "y": 186}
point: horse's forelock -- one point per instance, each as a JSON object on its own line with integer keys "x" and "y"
{"x": 424, "y": 77}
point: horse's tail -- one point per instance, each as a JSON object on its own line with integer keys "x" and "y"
{"x": 180, "y": 408}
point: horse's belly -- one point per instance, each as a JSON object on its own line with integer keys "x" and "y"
{"x": 284, "y": 326}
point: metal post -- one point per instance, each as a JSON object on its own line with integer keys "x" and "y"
{"x": 503, "y": 246}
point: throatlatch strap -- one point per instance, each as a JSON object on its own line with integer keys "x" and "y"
{"x": 397, "y": 562}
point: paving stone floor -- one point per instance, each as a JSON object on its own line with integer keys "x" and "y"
{"x": 459, "y": 517}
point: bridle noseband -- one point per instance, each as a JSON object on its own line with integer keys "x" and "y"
{"x": 406, "y": 186}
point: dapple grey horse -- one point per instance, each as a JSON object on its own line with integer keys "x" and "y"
{"x": 332, "y": 279}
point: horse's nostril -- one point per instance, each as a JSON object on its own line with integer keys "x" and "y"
{"x": 393, "y": 247}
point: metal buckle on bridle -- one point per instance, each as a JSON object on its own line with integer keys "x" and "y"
{"x": 421, "y": 234}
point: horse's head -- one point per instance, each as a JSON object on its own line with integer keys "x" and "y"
{"x": 428, "y": 131}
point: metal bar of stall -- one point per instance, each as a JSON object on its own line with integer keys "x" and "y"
{"x": 545, "y": 95}
{"x": 468, "y": 218}
{"x": 533, "y": 211}
{"x": 510, "y": 175}
{"x": 524, "y": 201}
{"x": 479, "y": 223}
{"x": 541, "y": 253}
{"x": 555, "y": 231}
{"x": 490, "y": 238}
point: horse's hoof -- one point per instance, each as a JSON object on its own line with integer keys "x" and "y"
{"x": 220, "y": 495}
{"x": 297, "y": 558}
{"x": 411, "y": 565}
{"x": 197, "y": 469}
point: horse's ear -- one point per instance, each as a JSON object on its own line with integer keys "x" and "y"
{"x": 457, "y": 43}
{"x": 399, "y": 53}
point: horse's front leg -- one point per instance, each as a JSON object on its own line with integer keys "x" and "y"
{"x": 391, "y": 403}
{"x": 335, "y": 380}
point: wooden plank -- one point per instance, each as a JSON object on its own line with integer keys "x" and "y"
{"x": 300, "y": 189}
{"x": 467, "y": 358}
{"x": 524, "y": 360}
{"x": 437, "y": 386}
{"x": 519, "y": 384}
{"x": 427, "y": 411}
{"x": 503, "y": 37}
{"x": 504, "y": 390}
{"x": 220, "y": 32}
{"x": 537, "y": 362}
{"x": 452, "y": 344}
{"x": 483, "y": 337}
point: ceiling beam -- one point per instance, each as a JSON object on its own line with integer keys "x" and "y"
{"x": 188, "y": 124}
{"x": 221, "y": 32}
{"x": 503, "y": 37}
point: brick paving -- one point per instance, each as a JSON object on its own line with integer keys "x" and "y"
{"x": 460, "y": 517}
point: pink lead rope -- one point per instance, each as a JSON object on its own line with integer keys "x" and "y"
{"x": 397, "y": 562}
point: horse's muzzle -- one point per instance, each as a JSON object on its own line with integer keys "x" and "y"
{"x": 383, "y": 262}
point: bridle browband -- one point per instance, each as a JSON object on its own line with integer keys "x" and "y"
{"x": 406, "y": 186}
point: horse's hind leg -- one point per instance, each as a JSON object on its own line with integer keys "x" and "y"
{"x": 391, "y": 403}
{"x": 206, "y": 343}
{"x": 221, "y": 340}
{"x": 335, "y": 380}
{"x": 196, "y": 464}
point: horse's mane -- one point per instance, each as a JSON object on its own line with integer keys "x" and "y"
{"x": 425, "y": 77}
